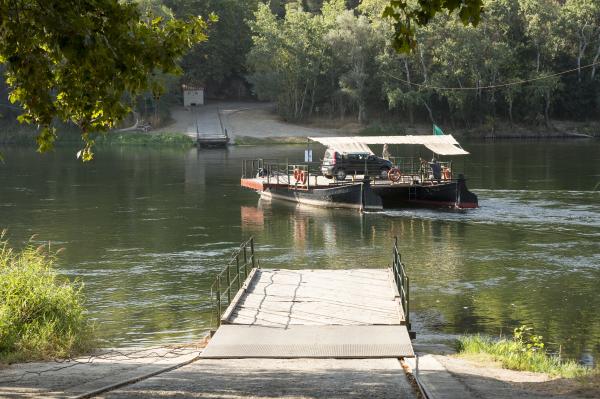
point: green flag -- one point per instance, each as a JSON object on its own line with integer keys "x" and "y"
{"x": 437, "y": 131}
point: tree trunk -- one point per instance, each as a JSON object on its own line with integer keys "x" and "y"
{"x": 596, "y": 59}
{"x": 510, "y": 113}
{"x": 362, "y": 112}
{"x": 429, "y": 111}
{"x": 304, "y": 93}
{"x": 582, "y": 47}
{"x": 312, "y": 98}
{"x": 547, "y": 109}
{"x": 411, "y": 116}
{"x": 422, "y": 59}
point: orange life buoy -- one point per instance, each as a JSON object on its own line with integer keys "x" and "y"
{"x": 394, "y": 175}
{"x": 302, "y": 177}
{"x": 447, "y": 174}
{"x": 297, "y": 174}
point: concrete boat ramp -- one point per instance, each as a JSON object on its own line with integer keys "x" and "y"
{"x": 295, "y": 334}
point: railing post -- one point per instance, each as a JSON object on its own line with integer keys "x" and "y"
{"x": 245, "y": 261}
{"x": 252, "y": 252}
{"x": 218, "y": 301}
{"x": 407, "y": 310}
{"x": 237, "y": 265}
{"x": 228, "y": 285}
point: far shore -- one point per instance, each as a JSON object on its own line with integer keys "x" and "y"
{"x": 256, "y": 123}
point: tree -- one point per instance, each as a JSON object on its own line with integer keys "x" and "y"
{"x": 540, "y": 18}
{"x": 75, "y": 60}
{"x": 287, "y": 59}
{"x": 223, "y": 56}
{"x": 408, "y": 13}
{"x": 355, "y": 43}
{"x": 581, "y": 21}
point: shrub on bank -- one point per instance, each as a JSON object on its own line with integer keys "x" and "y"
{"x": 41, "y": 315}
{"x": 525, "y": 352}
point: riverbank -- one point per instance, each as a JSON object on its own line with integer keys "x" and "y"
{"x": 72, "y": 139}
{"x": 256, "y": 123}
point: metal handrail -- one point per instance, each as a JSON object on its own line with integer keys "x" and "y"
{"x": 402, "y": 282}
{"x": 234, "y": 273}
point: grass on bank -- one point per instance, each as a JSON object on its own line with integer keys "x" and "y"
{"x": 525, "y": 352}
{"x": 145, "y": 139}
{"x": 42, "y": 315}
{"x": 70, "y": 137}
{"x": 249, "y": 140}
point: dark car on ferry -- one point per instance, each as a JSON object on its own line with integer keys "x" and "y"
{"x": 339, "y": 165}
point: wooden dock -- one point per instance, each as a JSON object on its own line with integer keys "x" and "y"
{"x": 283, "y": 313}
{"x": 212, "y": 140}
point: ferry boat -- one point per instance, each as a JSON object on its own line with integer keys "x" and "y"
{"x": 399, "y": 182}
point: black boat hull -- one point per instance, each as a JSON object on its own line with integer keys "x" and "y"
{"x": 366, "y": 196}
{"x": 452, "y": 194}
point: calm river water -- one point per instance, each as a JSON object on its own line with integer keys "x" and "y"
{"x": 146, "y": 230}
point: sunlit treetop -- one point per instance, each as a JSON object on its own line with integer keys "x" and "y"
{"x": 77, "y": 60}
{"x": 408, "y": 13}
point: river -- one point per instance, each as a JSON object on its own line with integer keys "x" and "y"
{"x": 146, "y": 230}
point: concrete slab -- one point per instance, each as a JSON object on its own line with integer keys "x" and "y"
{"x": 277, "y": 378}
{"x": 438, "y": 382}
{"x": 71, "y": 378}
{"x": 318, "y": 297}
{"x": 445, "y": 377}
{"x": 238, "y": 341}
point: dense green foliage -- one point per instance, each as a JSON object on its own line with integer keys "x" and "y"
{"x": 407, "y": 13}
{"x": 218, "y": 64}
{"x": 41, "y": 315}
{"x": 90, "y": 62}
{"x": 76, "y": 60}
{"x": 525, "y": 352}
{"x": 339, "y": 61}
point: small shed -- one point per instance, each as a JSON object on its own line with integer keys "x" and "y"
{"x": 193, "y": 95}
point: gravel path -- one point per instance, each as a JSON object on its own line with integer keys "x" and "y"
{"x": 277, "y": 378}
{"x": 249, "y": 119}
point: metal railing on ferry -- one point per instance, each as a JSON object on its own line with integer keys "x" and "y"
{"x": 232, "y": 277}
{"x": 402, "y": 282}
{"x": 298, "y": 175}
{"x": 412, "y": 171}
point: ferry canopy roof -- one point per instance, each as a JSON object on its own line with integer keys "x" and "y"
{"x": 442, "y": 145}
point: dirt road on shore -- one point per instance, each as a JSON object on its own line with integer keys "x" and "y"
{"x": 242, "y": 119}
